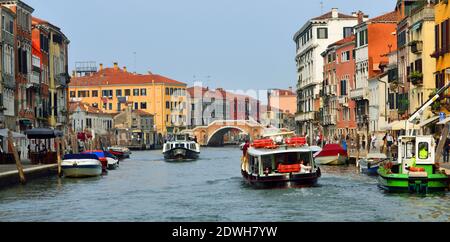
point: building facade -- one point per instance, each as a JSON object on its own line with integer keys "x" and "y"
{"x": 85, "y": 118}
{"x": 7, "y": 68}
{"x": 312, "y": 40}
{"x": 371, "y": 54}
{"x": 113, "y": 89}
{"x": 134, "y": 128}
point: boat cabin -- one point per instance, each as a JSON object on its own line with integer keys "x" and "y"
{"x": 279, "y": 161}
{"x": 419, "y": 147}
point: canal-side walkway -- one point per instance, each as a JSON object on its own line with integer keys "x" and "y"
{"x": 10, "y": 176}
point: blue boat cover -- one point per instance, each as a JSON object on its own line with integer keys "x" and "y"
{"x": 98, "y": 153}
{"x": 80, "y": 156}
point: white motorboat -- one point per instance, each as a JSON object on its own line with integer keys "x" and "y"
{"x": 113, "y": 161}
{"x": 81, "y": 165}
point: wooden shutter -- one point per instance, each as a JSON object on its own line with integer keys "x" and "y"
{"x": 436, "y": 38}
{"x": 447, "y": 36}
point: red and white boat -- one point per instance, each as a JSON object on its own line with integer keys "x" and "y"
{"x": 287, "y": 162}
{"x": 331, "y": 154}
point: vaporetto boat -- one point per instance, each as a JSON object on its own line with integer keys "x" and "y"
{"x": 286, "y": 164}
{"x": 181, "y": 149}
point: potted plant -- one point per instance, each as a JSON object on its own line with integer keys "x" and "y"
{"x": 416, "y": 77}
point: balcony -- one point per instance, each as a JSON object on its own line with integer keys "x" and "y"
{"x": 62, "y": 80}
{"x": 416, "y": 78}
{"x": 330, "y": 90}
{"x": 329, "y": 119}
{"x": 343, "y": 100}
{"x": 362, "y": 119}
{"x": 8, "y": 82}
{"x": 416, "y": 47}
{"x": 35, "y": 79}
{"x": 301, "y": 117}
{"x": 359, "y": 94}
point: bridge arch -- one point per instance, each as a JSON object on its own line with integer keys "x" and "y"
{"x": 217, "y": 136}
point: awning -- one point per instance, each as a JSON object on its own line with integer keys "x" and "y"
{"x": 400, "y": 125}
{"x": 445, "y": 121}
{"x": 25, "y": 122}
{"x": 416, "y": 26}
{"x": 43, "y": 133}
{"x": 4, "y": 133}
{"x": 429, "y": 121}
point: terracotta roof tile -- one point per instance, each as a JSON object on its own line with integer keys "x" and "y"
{"x": 391, "y": 17}
{"x": 330, "y": 15}
{"x": 345, "y": 40}
{"x": 111, "y": 76}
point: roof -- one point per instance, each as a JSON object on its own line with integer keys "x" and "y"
{"x": 391, "y": 17}
{"x": 284, "y": 92}
{"x": 112, "y": 76}
{"x": 345, "y": 40}
{"x": 73, "y": 106}
{"x": 18, "y": 2}
{"x": 142, "y": 113}
{"x": 330, "y": 15}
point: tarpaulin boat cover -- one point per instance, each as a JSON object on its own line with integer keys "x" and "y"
{"x": 332, "y": 150}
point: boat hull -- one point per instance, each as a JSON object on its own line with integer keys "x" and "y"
{"x": 81, "y": 168}
{"x": 112, "y": 163}
{"x": 181, "y": 154}
{"x": 282, "y": 180}
{"x": 331, "y": 160}
{"x": 405, "y": 183}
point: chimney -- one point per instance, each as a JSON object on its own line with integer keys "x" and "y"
{"x": 116, "y": 66}
{"x": 334, "y": 13}
{"x": 101, "y": 67}
{"x": 360, "y": 17}
{"x": 74, "y": 74}
{"x": 125, "y": 69}
{"x": 290, "y": 89}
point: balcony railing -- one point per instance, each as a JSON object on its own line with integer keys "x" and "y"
{"x": 62, "y": 80}
{"x": 360, "y": 93}
{"x": 416, "y": 47}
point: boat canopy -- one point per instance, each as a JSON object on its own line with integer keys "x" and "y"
{"x": 40, "y": 133}
{"x": 376, "y": 156}
{"x": 98, "y": 153}
{"x": 281, "y": 150}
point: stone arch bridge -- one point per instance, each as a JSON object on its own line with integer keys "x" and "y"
{"x": 213, "y": 134}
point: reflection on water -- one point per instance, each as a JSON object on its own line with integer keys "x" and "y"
{"x": 146, "y": 188}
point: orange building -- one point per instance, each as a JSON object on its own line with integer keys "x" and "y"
{"x": 114, "y": 89}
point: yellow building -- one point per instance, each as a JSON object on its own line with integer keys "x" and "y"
{"x": 442, "y": 48}
{"x": 421, "y": 64}
{"x": 114, "y": 89}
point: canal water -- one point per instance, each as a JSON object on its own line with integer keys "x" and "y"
{"x": 146, "y": 188}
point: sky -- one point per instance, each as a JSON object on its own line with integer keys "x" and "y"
{"x": 233, "y": 44}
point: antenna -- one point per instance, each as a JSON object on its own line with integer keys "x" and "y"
{"x": 321, "y": 7}
{"x": 134, "y": 54}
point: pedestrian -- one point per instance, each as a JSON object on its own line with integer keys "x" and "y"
{"x": 447, "y": 150}
{"x": 363, "y": 141}
{"x": 373, "y": 141}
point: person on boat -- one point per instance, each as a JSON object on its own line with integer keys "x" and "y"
{"x": 304, "y": 167}
{"x": 423, "y": 152}
{"x": 447, "y": 150}
{"x": 413, "y": 160}
{"x": 373, "y": 141}
{"x": 245, "y": 148}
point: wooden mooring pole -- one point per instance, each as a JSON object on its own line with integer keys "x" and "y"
{"x": 58, "y": 155}
{"x": 12, "y": 147}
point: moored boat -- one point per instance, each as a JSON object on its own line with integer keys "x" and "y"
{"x": 288, "y": 163}
{"x": 411, "y": 172}
{"x": 181, "y": 149}
{"x": 331, "y": 154}
{"x": 120, "y": 152}
{"x": 81, "y": 165}
{"x": 113, "y": 161}
{"x": 101, "y": 156}
{"x": 370, "y": 164}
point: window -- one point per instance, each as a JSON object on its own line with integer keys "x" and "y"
{"x": 127, "y": 92}
{"x": 95, "y": 105}
{"x": 401, "y": 39}
{"x": 110, "y": 106}
{"x": 144, "y": 105}
{"x": 72, "y": 93}
{"x": 94, "y": 93}
{"x": 345, "y": 56}
{"x": 167, "y": 105}
{"x": 83, "y": 93}
{"x": 118, "y": 93}
{"x": 135, "y": 92}
{"x": 322, "y": 33}
{"x": 343, "y": 87}
{"x": 171, "y": 91}
{"x": 167, "y": 91}
{"x": 348, "y": 31}
{"x": 136, "y": 106}
{"x": 107, "y": 93}
{"x": 143, "y": 92}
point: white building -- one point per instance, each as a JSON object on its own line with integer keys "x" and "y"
{"x": 85, "y": 117}
{"x": 311, "y": 40}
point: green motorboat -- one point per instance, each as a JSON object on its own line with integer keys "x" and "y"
{"x": 413, "y": 173}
